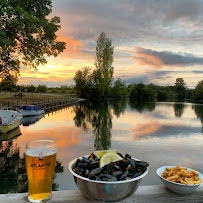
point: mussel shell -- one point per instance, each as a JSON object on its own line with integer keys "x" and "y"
{"x": 86, "y": 160}
{"x": 141, "y": 164}
{"x": 108, "y": 177}
{"x": 83, "y": 165}
{"x": 95, "y": 172}
{"x": 125, "y": 174}
{"x": 117, "y": 173}
{"x": 109, "y": 168}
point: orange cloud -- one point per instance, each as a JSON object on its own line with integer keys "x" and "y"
{"x": 144, "y": 58}
{"x": 145, "y": 129}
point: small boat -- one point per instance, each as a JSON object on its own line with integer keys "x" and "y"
{"x": 9, "y": 120}
{"x": 30, "y": 110}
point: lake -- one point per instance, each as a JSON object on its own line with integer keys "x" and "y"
{"x": 161, "y": 133}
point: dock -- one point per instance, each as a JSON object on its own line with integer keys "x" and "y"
{"x": 144, "y": 194}
{"x": 47, "y": 105}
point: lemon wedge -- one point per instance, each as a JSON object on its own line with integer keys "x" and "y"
{"x": 100, "y": 153}
{"x": 109, "y": 157}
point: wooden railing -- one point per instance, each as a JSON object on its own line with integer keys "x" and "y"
{"x": 144, "y": 194}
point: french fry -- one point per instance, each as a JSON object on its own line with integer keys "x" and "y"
{"x": 181, "y": 175}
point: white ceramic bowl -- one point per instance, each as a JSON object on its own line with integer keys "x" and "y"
{"x": 177, "y": 187}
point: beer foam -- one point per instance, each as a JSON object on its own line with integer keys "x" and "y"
{"x": 40, "y": 151}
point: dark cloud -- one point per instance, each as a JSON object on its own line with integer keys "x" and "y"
{"x": 197, "y": 71}
{"x": 132, "y": 21}
{"x": 137, "y": 79}
{"x": 164, "y": 58}
{"x": 183, "y": 10}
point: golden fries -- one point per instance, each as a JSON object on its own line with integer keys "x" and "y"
{"x": 181, "y": 175}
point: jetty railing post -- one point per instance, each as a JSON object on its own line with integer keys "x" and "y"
{"x": 0, "y": 105}
{"x": 33, "y": 101}
{"x": 17, "y": 103}
{"x": 8, "y": 103}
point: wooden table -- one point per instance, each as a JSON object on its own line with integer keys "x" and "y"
{"x": 154, "y": 194}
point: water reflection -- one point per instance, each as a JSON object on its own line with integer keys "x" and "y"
{"x": 10, "y": 134}
{"x": 178, "y": 109}
{"x": 13, "y": 172}
{"x": 198, "y": 109}
{"x": 30, "y": 120}
{"x": 141, "y": 105}
{"x": 97, "y": 117}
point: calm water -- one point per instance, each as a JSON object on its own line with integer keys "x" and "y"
{"x": 160, "y": 133}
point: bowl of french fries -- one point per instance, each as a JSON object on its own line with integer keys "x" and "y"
{"x": 179, "y": 179}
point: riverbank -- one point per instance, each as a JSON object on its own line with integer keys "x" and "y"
{"x": 144, "y": 194}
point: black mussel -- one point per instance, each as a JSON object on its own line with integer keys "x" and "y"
{"x": 120, "y": 155}
{"x": 124, "y": 175}
{"x": 86, "y": 160}
{"x": 77, "y": 162}
{"x": 117, "y": 168}
{"x": 127, "y": 156}
{"x": 92, "y": 156}
{"x": 141, "y": 164}
{"x": 117, "y": 173}
{"x": 98, "y": 178}
{"x": 94, "y": 172}
{"x": 108, "y": 177}
{"x": 78, "y": 170}
{"x": 109, "y": 168}
{"x": 83, "y": 165}
{"x": 93, "y": 165}
{"x": 136, "y": 175}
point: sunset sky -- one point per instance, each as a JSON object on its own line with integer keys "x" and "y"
{"x": 155, "y": 41}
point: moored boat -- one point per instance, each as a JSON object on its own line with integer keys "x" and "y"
{"x": 9, "y": 120}
{"x": 30, "y": 110}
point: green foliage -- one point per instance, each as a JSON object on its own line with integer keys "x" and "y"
{"x": 42, "y": 88}
{"x": 198, "y": 92}
{"x": 26, "y": 35}
{"x": 31, "y": 88}
{"x": 118, "y": 90}
{"x": 54, "y": 90}
{"x": 8, "y": 82}
{"x": 103, "y": 74}
{"x": 180, "y": 88}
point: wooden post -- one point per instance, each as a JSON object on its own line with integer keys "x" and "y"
{"x": 8, "y": 103}
{"x": 26, "y": 101}
{"x": 33, "y": 101}
{"x": 0, "y": 105}
{"x": 17, "y": 103}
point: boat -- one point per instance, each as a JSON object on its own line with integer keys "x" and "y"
{"x": 9, "y": 120}
{"x": 30, "y": 110}
{"x": 29, "y": 120}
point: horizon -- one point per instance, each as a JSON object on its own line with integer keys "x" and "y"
{"x": 154, "y": 41}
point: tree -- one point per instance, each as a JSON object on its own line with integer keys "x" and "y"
{"x": 119, "y": 89}
{"x": 31, "y": 88}
{"x": 180, "y": 88}
{"x": 103, "y": 63}
{"x": 8, "y": 82}
{"x": 26, "y": 35}
{"x": 42, "y": 88}
{"x": 198, "y": 92}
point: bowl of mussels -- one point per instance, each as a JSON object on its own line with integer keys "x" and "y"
{"x": 107, "y": 175}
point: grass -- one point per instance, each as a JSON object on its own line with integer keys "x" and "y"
{"x": 29, "y": 97}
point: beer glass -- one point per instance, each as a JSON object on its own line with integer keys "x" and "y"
{"x": 40, "y": 160}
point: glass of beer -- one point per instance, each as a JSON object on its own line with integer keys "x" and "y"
{"x": 40, "y": 160}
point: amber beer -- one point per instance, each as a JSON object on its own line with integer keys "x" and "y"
{"x": 40, "y": 165}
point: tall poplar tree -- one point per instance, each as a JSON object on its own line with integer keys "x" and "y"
{"x": 103, "y": 74}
